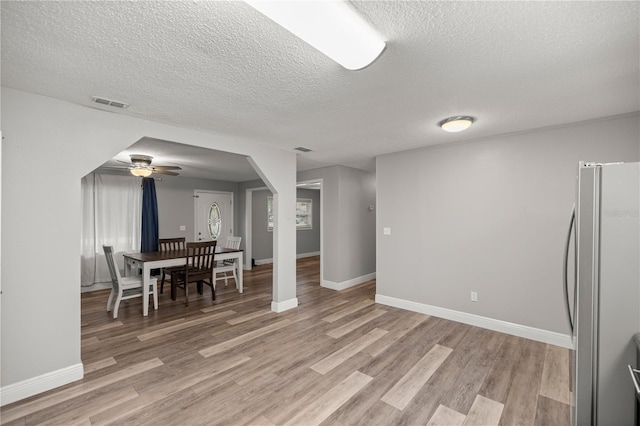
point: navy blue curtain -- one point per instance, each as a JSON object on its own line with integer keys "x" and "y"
{"x": 149, "y": 216}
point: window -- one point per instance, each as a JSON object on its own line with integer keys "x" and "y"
{"x": 111, "y": 215}
{"x": 269, "y": 213}
{"x": 304, "y": 213}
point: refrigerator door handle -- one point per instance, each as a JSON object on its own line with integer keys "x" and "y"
{"x": 566, "y": 266}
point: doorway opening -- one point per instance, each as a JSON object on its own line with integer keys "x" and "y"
{"x": 309, "y": 224}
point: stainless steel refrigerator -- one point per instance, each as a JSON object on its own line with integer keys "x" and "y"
{"x": 605, "y": 308}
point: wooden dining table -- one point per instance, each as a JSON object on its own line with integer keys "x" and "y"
{"x": 145, "y": 262}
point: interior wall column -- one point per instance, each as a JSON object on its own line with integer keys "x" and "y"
{"x": 280, "y": 176}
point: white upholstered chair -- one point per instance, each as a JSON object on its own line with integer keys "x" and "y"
{"x": 226, "y": 266}
{"x": 123, "y": 288}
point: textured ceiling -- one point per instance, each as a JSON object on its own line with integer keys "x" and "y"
{"x": 223, "y": 67}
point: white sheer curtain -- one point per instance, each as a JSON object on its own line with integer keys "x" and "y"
{"x": 111, "y": 215}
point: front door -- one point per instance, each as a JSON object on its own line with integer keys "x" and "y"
{"x": 214, "y": 215}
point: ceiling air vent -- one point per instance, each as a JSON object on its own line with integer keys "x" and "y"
{"x": 109, "y": 102}
{"x": 302, "y": 149}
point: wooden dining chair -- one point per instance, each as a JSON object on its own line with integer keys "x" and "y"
{"x": 199, "y": 269}
{"x": 123, "y": 288}
{"x": 229, "y": 265}
{"x": 168, "y": 244}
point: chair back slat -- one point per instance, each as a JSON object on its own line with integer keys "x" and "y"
{"x": 201, "y": 255}
{"x": 199, "y": 268}
{"x": 125, "y": 288}
{"x": 168, "y": 244}
{"x": 233, "y": 242}
{"x": 116, "y": 278}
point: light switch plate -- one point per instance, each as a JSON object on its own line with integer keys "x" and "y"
{"x": 386, "y": 231}
{"x": 183, "y": 228}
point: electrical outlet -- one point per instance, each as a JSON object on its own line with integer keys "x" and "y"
{"x": 474, "y": 296}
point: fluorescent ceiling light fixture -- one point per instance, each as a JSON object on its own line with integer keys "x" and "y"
{"x": 456, "y": 124}
{"x": 141, "y": 172}
{"x": 332, "y": 27}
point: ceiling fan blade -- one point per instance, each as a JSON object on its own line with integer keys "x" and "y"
{"x": 115, "y": 168}
{"x": 158, "y": 168}
{"x": 165, "y": 172}
{"x": 124, "y": 162}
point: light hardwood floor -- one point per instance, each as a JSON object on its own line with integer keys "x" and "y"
{"x": 338, "y": 359}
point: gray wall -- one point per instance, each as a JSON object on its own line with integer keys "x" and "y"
{"x": 348, "y": 232}
{"x": 307, "y": 240}
{"x": 241, "y": 204}
{"x": 489, "y": 216}
{"x": 176, "y": 203}
{"x": 349, "y": 227}
{"x": 261, "y": 239}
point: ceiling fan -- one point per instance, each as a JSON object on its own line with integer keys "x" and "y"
{"x": 141, "y": 166}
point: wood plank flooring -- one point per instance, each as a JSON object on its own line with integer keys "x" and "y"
{"x": 338, "y": 359}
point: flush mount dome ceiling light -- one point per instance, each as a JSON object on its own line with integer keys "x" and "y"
{"x": 456, "y": 124}
{"x": 332, "y": 27}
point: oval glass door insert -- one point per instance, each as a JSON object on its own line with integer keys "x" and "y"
{"x": 214, "y": 221}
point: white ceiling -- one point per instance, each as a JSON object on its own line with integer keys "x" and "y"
{"x": 223, "y": 67}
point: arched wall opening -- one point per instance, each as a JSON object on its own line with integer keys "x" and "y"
{"x": 42, "y": 132}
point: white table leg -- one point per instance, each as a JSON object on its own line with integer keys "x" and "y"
{"x": 146, "y": 275}
{"x": 239, "y": 271}
{"x": 127, "y": 267}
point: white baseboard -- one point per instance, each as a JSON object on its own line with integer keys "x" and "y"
{"x": 310, "y": 254}
{"x": 95, "y": 287}
{"x": 349, "y": 283}
{"x": 298, "y": 256}
{"x": 536, "y": 334}
{"x": 284, "y": 306}
{"x": 26, "y": 388}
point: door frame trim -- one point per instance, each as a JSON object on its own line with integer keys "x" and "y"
{"x": 248, "y": 226}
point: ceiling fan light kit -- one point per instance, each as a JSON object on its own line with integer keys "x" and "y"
{"x": 140, "y": 172}
{"x": 456, "y": 124}
{"x": 141, "y": 166}
{"x": 332, "y": 27}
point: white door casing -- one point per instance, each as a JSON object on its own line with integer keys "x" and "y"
{"x": 213, "y": 215}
